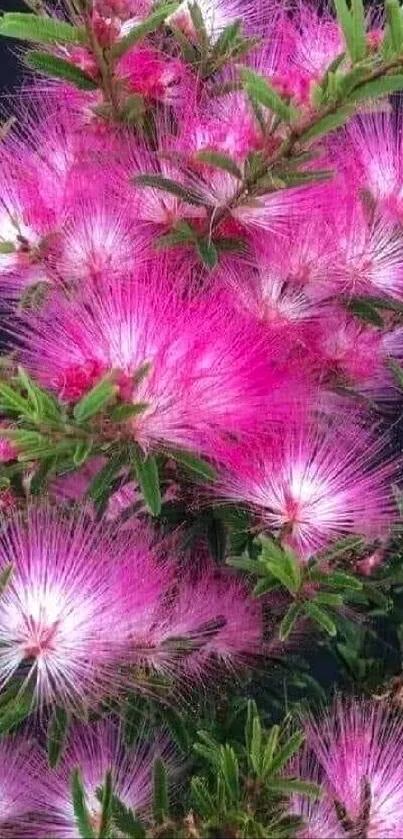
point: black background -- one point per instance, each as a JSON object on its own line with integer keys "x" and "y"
{"x": 10, "y": 67}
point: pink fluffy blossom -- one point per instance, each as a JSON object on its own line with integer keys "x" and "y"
{"x": 19, "y": 788}
{"x": 314, "y": 486}
{"x": 96, "y": 750}
{"x": 212, "y": 372}
{"x": 359, "y": 747}
{"x": 59, "y": 612}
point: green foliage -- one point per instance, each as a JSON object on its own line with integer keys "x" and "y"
{"x": 82, "y": 816}
{"x": 262, "y": 92}
{"x": 57, "y": 68}
{"x": 146, "y": 471}
{"x": 57, "y": 734}
{"x": 141, "y": 30}
{"x": 42, "y": 30}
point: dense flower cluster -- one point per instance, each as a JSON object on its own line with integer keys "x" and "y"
{"x": 232, "y": 273}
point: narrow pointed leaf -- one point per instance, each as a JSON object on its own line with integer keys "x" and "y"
{"x": 107, "y": 801}
{"x": 57, "y": 734}
{"x": 148, "y": 478}
{"x": 43, "y": 30}
{"x": 321, "y": 618}
{"x": 329, "y": 123}
{"x": 261, "y": 91}
{"x": 270, "y": 749}
{"x": 82, "y": 816}
{"x": 137, "y": 33}
{"x": 194, "y": 464}
{"x": 95, "y": 401}
{"x": 288, "y": 622}
{"x": 125, "y": 821}
{"x": 230, "y": 771}
{"x": 201, "y": 798}
{"x": 347, "y": 24}
{"x": 220, "y": 161}
{"x": 377, "y": 88}
{"x": 287, "y": 752}
{"x": 208, "y": 253}
{"x": 161, "y": 802}
{"x": 58, "y": 68}
{"x": 168, "y": 185}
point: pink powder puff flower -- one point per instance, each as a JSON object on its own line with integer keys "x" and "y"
{"x": 59, "y": 612}
{"x": 349, "y": 351}
{"x": 154, "y": 75}
{"x": 313, "y": 486}
{"x": 375, "y": 163}
{"x": 359, "y": 748}
{"x": 96, "y": 238}
{"x": 217, "y": 15}
{"x": 367, "y": 257}
{"x": 319, "y": 816}
{"x": 287, "y": 283}
{"x": 218, "y": 617}
{"x": 212, "y": 373}
{"x": 19, "y": 788}
{"x": 97, "y": 750}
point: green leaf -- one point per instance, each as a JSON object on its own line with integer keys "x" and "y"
{"x": 289, "y": 619}
{"x": 287, "y": 752}
{"x": 201, "y": 798}
{"x": 168, "y": 185}
{"x": 270, "y": 749}
{"x": 340, "y": 579}
{"x": 220, "y": 161}
{"x": 289, "y": 786}
{"x": 83, "y": 818}
{"x": 56, "y": 737}
{"x": 364, "y": 310}
{"x": 260, "y": 90}
{"x": 106, "y": 814}
{"x": 325, "y": 598}
{"x": 320, "y": 617}
{"x": 377, "y": 88}
{"x": 16, "y": 711}
{"x": 82, "y": 452}
{"x": 251, "y": 714}
{"x": 346, "y": 21}
{"x": 95, "y": 400}
{"x": 341, "y": 547}
{"x": 102, "y": 481}
{"x": 193, "y": 464}
{"x": 256, "y": 745}
{"x": 265, "y": 586}
{"x": 227, "y": 39}
{"x": 125, "y": 821}
{"x": 199, "y": 26}
{"x": 394, "y": 18}
{"x": 178, "y": 729}
{"x": 43, "y": 30}
{"x": 208, "y": 253}
{"x": 291, "y": 180}
{"x": 45, "y": 405}
{"x": 230, "y": 771}
{"x": 161, "y": 802}
{"x": 148, "y": 478}
{"x": 358, "y": 15}
{"x": 57, "y": 68}
{"x": 149, "y": 25}
{"x": 181, "y": 234}
{"x": 12, "y": 402}
{"x": 122, "y": 413}
{"x": 328, "y": 123}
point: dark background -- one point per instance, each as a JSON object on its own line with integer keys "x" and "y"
{"x": 10, "y": 68}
